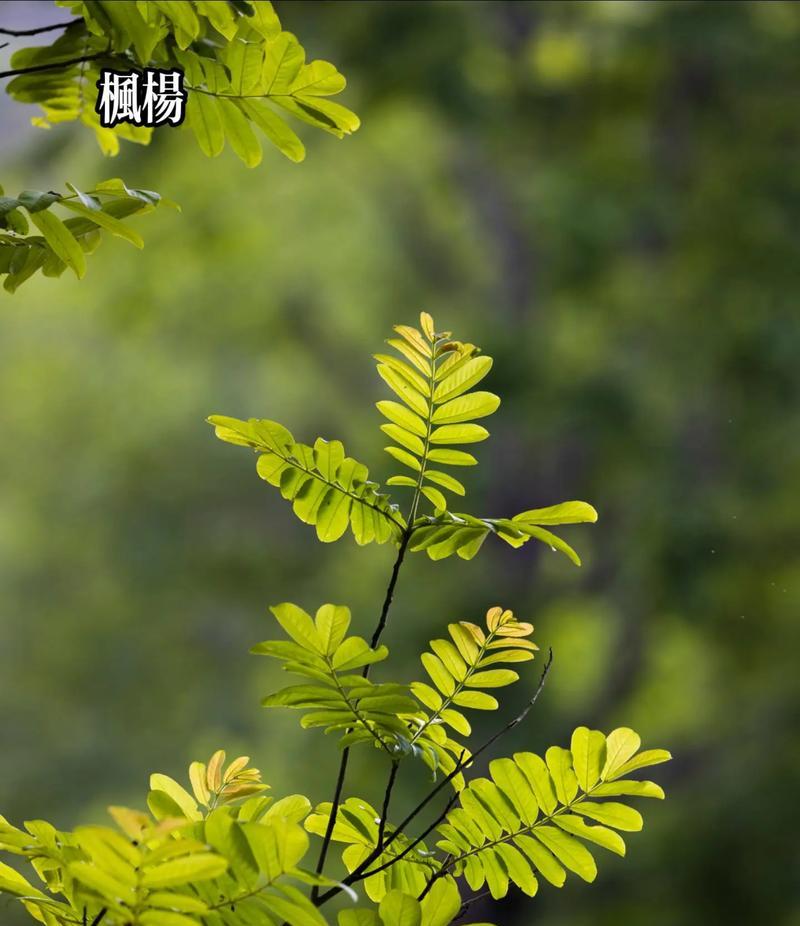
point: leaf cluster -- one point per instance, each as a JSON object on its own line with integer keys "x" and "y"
{"x": 64, "y": 243}
{"x": 434, "y": 379}
{"x": 243, "y": 73}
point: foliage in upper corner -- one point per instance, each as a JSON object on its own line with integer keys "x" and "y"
{"x": 242, "y": 71}
{"x": 65, "y": 243}
{"x": 434, "y": 378}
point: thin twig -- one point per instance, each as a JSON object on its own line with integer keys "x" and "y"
{"x": 40, "y": 29}
{"x": 413, "y": 845}
{"x": 387, "y": 603}
{"x": 386, "y": 799}
{"x": 469, "y": 902}
{"x": 459, "y": 767}
{"x": 462, "y": 764}
{"x": 439, "y": 874}
{"x": 337, "y": 797}
{"x": 53, "y": 66}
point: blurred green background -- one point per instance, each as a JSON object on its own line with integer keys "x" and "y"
{"x": 606, "y": 197}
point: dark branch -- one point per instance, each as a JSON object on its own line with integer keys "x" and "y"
{"x": 469, "y": 902}
{"x": 462, "y": 764}
{"x": 39, "y": 29}
{"x": 326, "y": 842}
{"x": 54, "y": 66}
{"x": 386, "y": 799}
{"x": 413, "y": 845}
{"x": 459, "y": 767}
{"x": 387, "y": 603}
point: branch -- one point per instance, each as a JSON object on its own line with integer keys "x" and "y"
{"x": 386, "y": 799}
{"x": 462, "y": 764}
{"x": 40, "y": 29}
{"x": 54, "y": 66}
{"x": 387, "y": 603}
{"x": 469, "y": 902}
{"x": 358, "y": 873}
{"x": 411, "y": 846}
{"x": 326, "y": 842}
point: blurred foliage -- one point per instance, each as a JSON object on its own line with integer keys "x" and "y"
{"x": 605, "y": 195}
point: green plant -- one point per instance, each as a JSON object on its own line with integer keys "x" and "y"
{"x": 243, "y": 73}
{"x": 224, "y": 854}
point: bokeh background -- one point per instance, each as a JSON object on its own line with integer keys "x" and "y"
{"x": 606, "y": 197}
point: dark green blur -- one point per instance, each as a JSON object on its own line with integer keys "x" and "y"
{"x": 606, "y": 197}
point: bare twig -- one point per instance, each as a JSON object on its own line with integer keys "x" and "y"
{"x": 53, "y": 66}
{"x": 39, "y": 29}
{"x": 386, "y": 799}
{"x": 337, "y": 798}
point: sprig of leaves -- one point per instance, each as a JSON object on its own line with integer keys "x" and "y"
{"x": 339, "y": 701}
{"x": 242, "y": 71}
{"x": 447, "y": 533}
{"x": 433, "y": 381}
{"x": 530, "y": 816}
{"x": 459, "y": 669}
{"x": 327, "y": 489}
{"x": 65, "y": 243}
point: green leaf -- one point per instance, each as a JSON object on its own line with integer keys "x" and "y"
{"x": 559, "y": 764}
{"x": 358, "y": 918}
{"x": 445, "y": 480}
{"x": 401, "y": 386}
{"x": 465, "y": 377}
{"x": 477, "y": 700}
{"x": 398, "y": 909}
{"x": 620, "y": 816}
{"x": 441, "y": 904}
{"x": 572, "y": 854}
{"x": 434, "y": 496}
{"x": 599, "y": 835}
{"x": 563, "y": 513}
{"x": 402, "y": 416}
{"x": 621, "y": 745}
{"x": 332, "y": 622}
{"x": 459, "y": 434}
{"x": 104, "y": 220}
{"x": 275, "y": 129}
{"x": 180, "y": 795}
{"x": 239, "y": 134}
{"x": 199, "y": 867}
{"x": 298, "y": 624}
{"x": 588, "y": 749}
{"x": 61, "y": 240}
{"x": 204, "y": 117}
{"x": 629, "y": 788}
{"x": 642, "y": 760}
{"x": 466, "y": 408}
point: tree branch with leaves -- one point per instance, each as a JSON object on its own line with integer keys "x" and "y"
{"x": 246, "y": 78}
{"x": 222, "y": 852}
